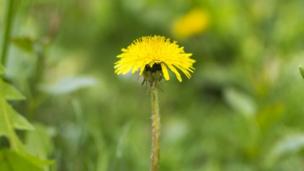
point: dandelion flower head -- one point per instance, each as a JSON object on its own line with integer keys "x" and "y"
{"x": 153, "y": 57}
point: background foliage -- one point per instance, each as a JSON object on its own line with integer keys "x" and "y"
{"x": 242, "y": 110}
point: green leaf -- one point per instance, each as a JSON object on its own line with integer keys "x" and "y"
{"x": 240, "y": 102}
{"x": 15, "y": 161}
{"x": 69, "y": 85}
{"x": 302, "y": 71}
{"x": 24, "y": 43}
{"x": 39, "y": 141}
{"x": 9, "y": 121}
{"x": 7, "y": 127}
{"x": 8, "y": 92}
{"x": 19, "y": 122}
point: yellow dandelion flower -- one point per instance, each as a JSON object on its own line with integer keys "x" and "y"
{"x": 152, "y": 56}
{"x": 194, "y": 22}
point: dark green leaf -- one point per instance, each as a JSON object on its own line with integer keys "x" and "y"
{"x": 302, "y": 71}
{"x": 1, "y": 70}
{"x": 24, "y": 43}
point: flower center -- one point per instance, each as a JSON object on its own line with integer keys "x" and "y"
{"x": 155, "y": 67}
{"x": 152, "y": 74}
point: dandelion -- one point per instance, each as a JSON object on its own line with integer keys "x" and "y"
{"x": 153, "y": 57}
{"x": 194, "y": 22}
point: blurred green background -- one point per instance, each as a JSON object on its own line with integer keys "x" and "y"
{"x": 243, "y": 109}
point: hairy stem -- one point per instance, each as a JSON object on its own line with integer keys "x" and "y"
{"x": 155, "y": 152}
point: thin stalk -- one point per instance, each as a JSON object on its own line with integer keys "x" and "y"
{"x": 36, "y": 98}
{"x": 37, "y": 75}
{"x": 155, "y": 152}
{"x": 7, "y": 32}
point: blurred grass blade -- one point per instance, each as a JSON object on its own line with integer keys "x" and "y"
{"x": 69, "y": 85}
{"x": 8, "y": 29}
{"x": 1, "y": 70}
{"x": 302, "y": 71}
{"x": 103, "y": 161}
{"x": 288, "y": 145}
{"x": 122, "y": 141}
{"x": 240, "y": 102}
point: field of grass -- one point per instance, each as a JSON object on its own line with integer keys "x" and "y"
{"x": 63, "y": 108}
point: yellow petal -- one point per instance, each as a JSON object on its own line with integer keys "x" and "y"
{"x": 165, "y": 71}
{"x": 142, "y": 68}
{"x": 178, "y": 76}
{"x": 185, "y": 71}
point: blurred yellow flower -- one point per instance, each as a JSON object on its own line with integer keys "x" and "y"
{"x": 193, "y": 23}
{"x": 154, "y": 55}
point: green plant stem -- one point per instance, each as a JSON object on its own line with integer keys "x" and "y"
{"x": 7, "y": 31}
{"x": 155, "y": 152}
{"x": 36, "y": 98}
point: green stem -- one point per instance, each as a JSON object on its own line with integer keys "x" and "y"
{"x": 36, "y": 98}
{"x": 7, "y": 31}
{"x": 155, "y": 153}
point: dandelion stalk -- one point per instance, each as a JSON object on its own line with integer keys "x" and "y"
{"x": 153, "y": 57}
{"x": 155, "y": 152}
